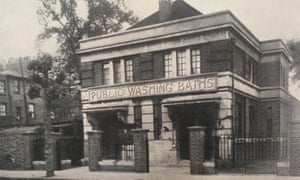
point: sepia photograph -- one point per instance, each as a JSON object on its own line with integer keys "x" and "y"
{"x": 149, "y": 89}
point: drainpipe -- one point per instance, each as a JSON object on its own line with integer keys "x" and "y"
{"x": 24, "y": 93}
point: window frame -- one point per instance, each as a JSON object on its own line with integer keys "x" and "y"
{"x": 196, "y": 61}
{"x": 2, "y": 82}
{"x": 17, "y": 86}
{"x": 31, "y": 114}
{"x": 167, "y": 60}
{"x": 181, "y": 62}
{"x": 128, "y": 70}
{"x": 106, "y": 73}
{"x": 3, "y": 109}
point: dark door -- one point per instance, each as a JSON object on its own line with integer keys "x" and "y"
{"x": 186, "y": 119}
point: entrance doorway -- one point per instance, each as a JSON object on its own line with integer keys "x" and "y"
{"x": 185, "y": 116}
{"x": 113, "y": 126}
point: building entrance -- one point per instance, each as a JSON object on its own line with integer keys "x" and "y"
{"x": 185, "y": 116}
{"x": 113, "y": 126}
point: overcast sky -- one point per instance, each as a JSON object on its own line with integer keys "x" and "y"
{"x": 267, "y": 19}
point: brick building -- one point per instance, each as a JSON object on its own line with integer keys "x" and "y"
{"x": 14, "y": 102}
{"x": 179, "y": 68}
{"x": 19, "y": 114}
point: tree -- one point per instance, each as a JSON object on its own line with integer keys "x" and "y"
{"x": 55, "y": 77}
{"x": 107, "y": 17}
{"x": 294, "y": 46}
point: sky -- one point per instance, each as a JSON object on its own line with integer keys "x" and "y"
{"x": 266, "y": 19}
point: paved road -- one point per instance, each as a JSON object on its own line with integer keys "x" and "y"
{"x": 156, "y": 173}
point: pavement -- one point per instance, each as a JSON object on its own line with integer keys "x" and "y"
{"x": 156, "y": 173}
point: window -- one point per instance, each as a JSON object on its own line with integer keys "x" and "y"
{"x": 18, "y": 112}
{"x": 117, "y": 72}
{"x": 284, "y": 77}
{"x": 157, "y": 119}
{"x": 248, "y": 69}
{"x": 269, "y": 121}
{"x": 31, "y": 111}
{"x": 106, "y": 75}
{"x": 181, "y": 63}
{"x": 2, "y": 87}
{"x": 17, "y": 86}
{"x": 128, "y": 71}
{"x": 138, "y": 115}
{"x": 196, "y": 61}
{"x": 167, "y": 65}
{"x": 3, "y": 109}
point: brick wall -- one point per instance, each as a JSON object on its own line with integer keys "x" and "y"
{"x": 12, "y": 154}
{"x": 269, "y": 73}
{"x": 261, "y": 124}
{"x": 294, "y": 140}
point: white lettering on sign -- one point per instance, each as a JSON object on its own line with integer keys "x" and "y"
{"x": 151, "y": 89}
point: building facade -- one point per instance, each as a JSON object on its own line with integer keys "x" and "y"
{"x": 16, "y": 108}
{"x": 179, "y": 68}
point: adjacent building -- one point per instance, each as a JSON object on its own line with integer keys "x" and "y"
{"x": 16, "y": 108}
{"x": 179, "y": 68}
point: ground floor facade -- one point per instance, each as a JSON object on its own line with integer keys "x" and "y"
{"x": 225, "y": 105}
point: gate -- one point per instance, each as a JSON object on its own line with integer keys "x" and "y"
{"x": 248, "y": 155}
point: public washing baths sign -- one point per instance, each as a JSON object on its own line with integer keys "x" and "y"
{"x": 165, "y": 87}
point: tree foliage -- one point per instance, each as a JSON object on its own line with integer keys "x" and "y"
{"x": 294, "y": 46}
{"x": 56, "y": 76}
{"x": 107, "y": 17}
{"x": 51, "y": 82}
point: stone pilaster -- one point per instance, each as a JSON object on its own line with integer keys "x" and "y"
{"x": 94, "y": 149}
{"x": 197, "y": 141}
{"x": 141, "y": 150}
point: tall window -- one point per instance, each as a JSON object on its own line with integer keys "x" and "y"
{"x": 168, "y": 65}
{"x": 31, "y": 110}
{"x": 269, "y": 121}
{"x": 17, "y": 86}
{"x": 157, "y": 119}
{"x": 248, "y": 69}
{"x": 117, "y": 72}
{"x": 2, "y": 87}
{"x": 3, "y": 109}
{"x": 106, "y": 75}
{"x": 196, "y": 58}
{"x": 181, "y": 63}
{"x": 128, "y": 71}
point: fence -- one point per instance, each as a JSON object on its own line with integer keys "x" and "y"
{"x": 243, "y": 151}
{"x": 125, "y": 147}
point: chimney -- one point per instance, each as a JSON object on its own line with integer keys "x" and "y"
{"x": 165, "y": 9}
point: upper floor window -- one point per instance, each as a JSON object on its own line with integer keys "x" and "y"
{"x": 3, "y": 109}
{"x": 31, "y": 110}
{"x": 117, "y": 72}
{"x": 283, "y": 77}
{"x": 106, "y": 75}
{"x": 2, "y": 87}
{"x": 248, "y": 69}
{"x": 168, "y": 65}
{"x": 195, "y": 61}
{"x": 16, "y": 86}
{"x": 181, "y": 63}
{"x": 128, "y": 71}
